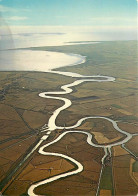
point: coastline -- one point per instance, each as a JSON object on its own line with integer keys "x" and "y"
{"x": 43, "y": 61}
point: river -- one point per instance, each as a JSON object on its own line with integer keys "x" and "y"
{"x": 51, "y": 126}
{"x": 55, "y": 60}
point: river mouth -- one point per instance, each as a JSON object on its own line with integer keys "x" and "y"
{"x": 32, "y": 60}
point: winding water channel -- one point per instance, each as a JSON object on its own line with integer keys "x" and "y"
{"x": 51, "y": 126}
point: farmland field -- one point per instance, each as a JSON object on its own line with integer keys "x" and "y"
{"x": 24, "y": 113}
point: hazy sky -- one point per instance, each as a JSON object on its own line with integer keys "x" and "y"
{"x": 69, "y": 12}
{"x": 25, "y": 23}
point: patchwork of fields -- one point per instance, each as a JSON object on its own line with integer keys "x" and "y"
{"x": 24, "y": 113}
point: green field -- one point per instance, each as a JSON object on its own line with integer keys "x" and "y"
{"x": 135, "y": 166}
{"x": 106, "y": 179}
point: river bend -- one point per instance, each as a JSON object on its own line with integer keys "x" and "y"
{"x": 51, "y": 126}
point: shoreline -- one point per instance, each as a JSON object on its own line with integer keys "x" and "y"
{"x": 46, "y": 60}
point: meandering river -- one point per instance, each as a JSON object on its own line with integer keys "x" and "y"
{"x": 17, "y": 61}
{"x": 51, "y": 126}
